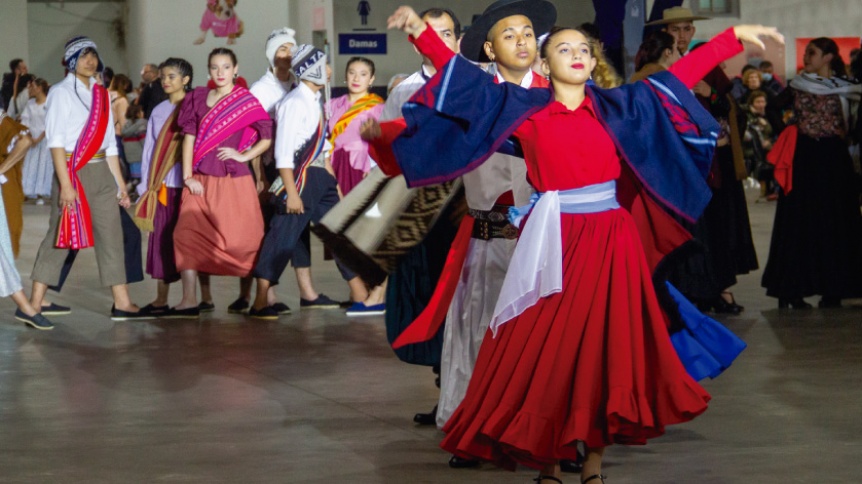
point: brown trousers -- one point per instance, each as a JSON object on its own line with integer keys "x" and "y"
{"x": 101, "y": 189}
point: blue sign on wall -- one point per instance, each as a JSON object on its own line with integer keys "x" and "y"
{"x": 349, "y": 44}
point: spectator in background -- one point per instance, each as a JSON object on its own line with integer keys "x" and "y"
{"x": 107, "y": 76}
{"x": 772, "y": 85}
{"x": 17, "y": 68}
{"x": 757, "y": 142}
{"x": 118, "y": 90}
{"x": 132, "y": 134}
{"x": 38, "y": 166}
{"x": 740, "y": 89}
{"x": 151, "y": 91}
{"x": 19, "y": 102}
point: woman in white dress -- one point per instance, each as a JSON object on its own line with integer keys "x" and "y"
{"x": 38, "y": 165}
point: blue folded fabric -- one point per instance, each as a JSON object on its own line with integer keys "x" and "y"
{"x": 705, "y": 347}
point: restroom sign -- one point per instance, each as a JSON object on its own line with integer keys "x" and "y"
{"x": 350, "y": 44}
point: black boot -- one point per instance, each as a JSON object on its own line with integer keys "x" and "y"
{"x": 429, "y": 418}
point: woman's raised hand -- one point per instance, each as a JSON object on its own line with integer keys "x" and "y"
{"x": 407, "y": 20}
{"x": 753, "y": 33}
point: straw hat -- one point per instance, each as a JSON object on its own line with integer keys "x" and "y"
{"x": 677, "y": 14}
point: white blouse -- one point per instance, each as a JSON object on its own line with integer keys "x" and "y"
{"x": 33, "y": 117}
{"x": 68, "y": 106}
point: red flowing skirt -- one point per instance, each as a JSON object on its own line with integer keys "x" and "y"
{"x": 593, "y": 363}
{"x": 219, "y": 232}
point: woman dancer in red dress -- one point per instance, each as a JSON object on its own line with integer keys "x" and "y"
{"x": 589, "y": 359}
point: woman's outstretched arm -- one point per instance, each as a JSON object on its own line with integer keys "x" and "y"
{"x": 693, "y": 67}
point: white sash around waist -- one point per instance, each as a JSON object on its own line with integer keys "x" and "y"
{"x": 536, "y": 268}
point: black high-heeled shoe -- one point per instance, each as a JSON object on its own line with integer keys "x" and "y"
{"x": 593, "y": 477}
{"x": 732, "y": 303}
{"x": 720, "y": 306}
{"x": 793, "y": 303}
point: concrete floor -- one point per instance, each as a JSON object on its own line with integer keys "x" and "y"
{"x": 318, "y": 397}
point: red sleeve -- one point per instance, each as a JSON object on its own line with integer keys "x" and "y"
{"x": 431, "y": 46}
{"x": 693, "y": 67}
{"x": 380, "y": 149}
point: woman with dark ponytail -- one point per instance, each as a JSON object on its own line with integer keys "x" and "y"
{"x": 816, "y": 243}
{"x": 657, "y": 53}
{"x": 161, "y": 181}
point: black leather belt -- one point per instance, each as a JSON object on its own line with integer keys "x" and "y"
{"x": 493, "y": 224}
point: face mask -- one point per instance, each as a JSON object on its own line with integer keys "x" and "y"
{"x": 767, "y": 76}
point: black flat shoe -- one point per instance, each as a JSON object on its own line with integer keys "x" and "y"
{"x": 155, "y": 310}
{"x": 120, "y": 315}
{"x": 460, "y": 463}
{"x": 187, "y": 313}
{"x": 429, "y": 418}
{"x": 793, "y": 303}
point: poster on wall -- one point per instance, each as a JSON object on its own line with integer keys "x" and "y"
{"x": 845, "y": 46}
{"x": 220, "y": 16}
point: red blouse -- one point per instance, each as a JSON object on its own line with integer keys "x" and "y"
{"x": 567, "y": 149}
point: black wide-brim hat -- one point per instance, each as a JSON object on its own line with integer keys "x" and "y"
{"x": 542, "y": 14}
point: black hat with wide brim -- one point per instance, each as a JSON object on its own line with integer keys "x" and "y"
{"x": 542, "y": 14}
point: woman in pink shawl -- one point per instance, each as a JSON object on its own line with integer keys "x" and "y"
{"x": 349, "y": 151}
{"x": 220, "y": 226}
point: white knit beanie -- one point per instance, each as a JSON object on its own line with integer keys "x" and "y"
{"x": 276, "y": 39}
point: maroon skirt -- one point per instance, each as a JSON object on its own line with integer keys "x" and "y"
{"x": 347, "y": 176}
{"x": 593, "y": 363}
{"x": 160, "y": 249}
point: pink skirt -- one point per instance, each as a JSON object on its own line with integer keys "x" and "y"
{"x": 219, "y": 232}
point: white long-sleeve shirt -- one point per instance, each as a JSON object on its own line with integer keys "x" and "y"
{"x": 269, "y": 91}
{"x": 69, "y": 104}
{"x": 297, "y": 118}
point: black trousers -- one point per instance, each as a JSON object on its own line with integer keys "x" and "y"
{"x": 282, "y": 239}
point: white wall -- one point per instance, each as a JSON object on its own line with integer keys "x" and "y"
{"x": 49, "y": 26}
{"x": 13, "y": 36}
{"x": 159, "y": 29}
{"x": 400, "y": 56}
